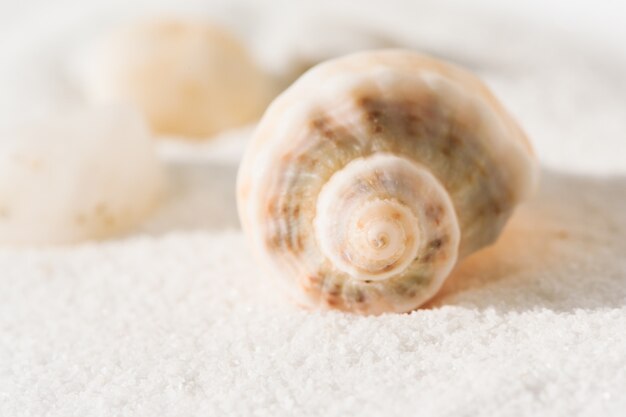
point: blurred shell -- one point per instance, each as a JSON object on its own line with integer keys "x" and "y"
{"x": 190, "y": 79}
{"x": 76, "y": 176}
{"x": 372, "y": 175}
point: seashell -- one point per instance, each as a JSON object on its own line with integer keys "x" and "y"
{"x": 189, "y": 78}
{"x": 76, "y": 176}
{"x": 374, "y": 174}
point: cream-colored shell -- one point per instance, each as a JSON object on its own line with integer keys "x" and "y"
{"x": 189, "y": 78}
{"x": 76, "y": 176}
{"x": 372, "y": 175}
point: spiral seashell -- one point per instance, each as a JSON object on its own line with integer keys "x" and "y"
{"x": 374, "y": 174}
{"x": 188, "y": 78}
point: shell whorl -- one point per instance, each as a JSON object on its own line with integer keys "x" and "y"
{"x": 370, "y": 176}
{"x": 375, "y": 216}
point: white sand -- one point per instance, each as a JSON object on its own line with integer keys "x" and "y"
{"x": 176, "y": 320}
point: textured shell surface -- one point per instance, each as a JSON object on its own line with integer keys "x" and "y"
{"x": 374, "y": 174}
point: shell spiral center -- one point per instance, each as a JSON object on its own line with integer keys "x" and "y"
{"x": 381, "y": 235}
{"x": 370, "y": 220}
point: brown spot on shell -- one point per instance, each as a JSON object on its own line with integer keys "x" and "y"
{"x": 312, "y": 283}
{"x": 331, "y": 294}
{"x": 305, "y": 162}
{"x": 452, "y": 143}
{"x": 404, "y": 289}
{"x": 364, "y": 101}
{"x": 271, "y": 206}
{"x": 373, "y": 117}
{"x": 434, "y": 248}
{"x": 374, "y": 114}
{"x": 411, "y": 123}
{"x": 389, "y": 267}
{"x": 412, "y": 118}
{"x": 293, "y": 244}
{"x": 358, "y": 296}
{"x": 332, "y": 302}
{"x": 323, "y": 126}
{"x": 334, "y": 290}
{"x": 428, "y": 257}
{"x": 434, "y": 213}
{"x": 436, "y": 243}
{"x": 300, "y": 242}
